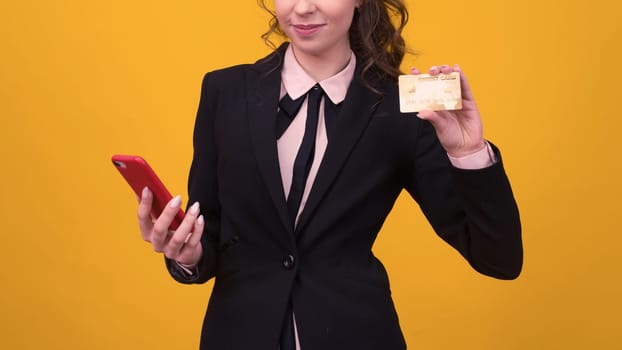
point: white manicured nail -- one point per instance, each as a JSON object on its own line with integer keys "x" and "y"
{"x": 194, "y": 209}
{"x": 175, "y": 202}
{"x": 187, "y": 238}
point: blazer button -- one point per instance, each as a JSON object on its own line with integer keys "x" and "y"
{"x": 289, "y": 261}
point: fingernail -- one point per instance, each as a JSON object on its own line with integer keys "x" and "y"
{"x": 175, "y": 202}
{"x": 194, "y": 209}
{"x": 434, "y": 68}
{"x": 200, "y": 220}
{"x": 444, "y": 66}
{"x": 187, "y": 238}
{"x": 145, "y": 192}
{"x": 420, "y": 116}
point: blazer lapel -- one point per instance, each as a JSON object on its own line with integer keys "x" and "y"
{"x": 263, "y": 88}
{"x": 359, "y": 105}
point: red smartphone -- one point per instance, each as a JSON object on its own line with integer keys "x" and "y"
{"x": 139, "y": 175}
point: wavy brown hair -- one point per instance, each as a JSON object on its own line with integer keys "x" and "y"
{"x": 375, "y": 37}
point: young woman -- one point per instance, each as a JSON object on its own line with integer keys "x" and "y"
{"x": 299, "y": 158}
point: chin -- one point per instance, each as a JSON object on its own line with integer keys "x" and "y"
{"x": 309, "y": 47}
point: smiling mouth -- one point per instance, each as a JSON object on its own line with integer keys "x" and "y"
{"x": 307, "y": 26}
{"x": 307, "y": 29}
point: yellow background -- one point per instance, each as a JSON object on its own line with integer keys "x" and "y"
{"x": 81, "y": 80}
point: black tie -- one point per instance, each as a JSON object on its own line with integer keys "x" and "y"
{"x": 304, "y": 158}
{"x": 302, "y": 165}
{"x": 289, "y": 109}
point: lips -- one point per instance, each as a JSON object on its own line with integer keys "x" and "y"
{"x": 307, "y": 29}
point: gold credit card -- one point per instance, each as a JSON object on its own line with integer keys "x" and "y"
{"x": 435, "y": 93}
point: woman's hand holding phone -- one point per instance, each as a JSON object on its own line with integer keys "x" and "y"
{"x": 182, "y": 245}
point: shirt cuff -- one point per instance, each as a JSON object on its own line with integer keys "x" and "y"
{"x": 478, "y": 160}
{"x": 189, "y": 269}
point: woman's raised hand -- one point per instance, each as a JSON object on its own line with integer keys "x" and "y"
{"x": 182, "y": 245}
{"x": 459, "y": 131}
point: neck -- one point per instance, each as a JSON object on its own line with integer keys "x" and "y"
{"x": 325, "y": 65}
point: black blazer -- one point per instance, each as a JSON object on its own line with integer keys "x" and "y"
{"x": 340, "y": 291}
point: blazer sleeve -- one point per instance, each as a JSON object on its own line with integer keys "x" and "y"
{"x": 472, "y": 210}
{"x": 203, "y": 188}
